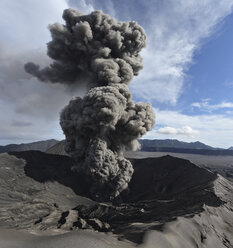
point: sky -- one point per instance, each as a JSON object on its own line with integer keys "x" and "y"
{"x": 187, "y": 74}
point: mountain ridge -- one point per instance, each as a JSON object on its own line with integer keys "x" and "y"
{"x": 53, "y": 146}
{"x": 174, "y": 143}
{"x": 43, "y": 146}
{"x": 154, "y": 146}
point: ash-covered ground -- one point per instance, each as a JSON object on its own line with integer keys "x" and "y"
{"x": 170, "y": 202}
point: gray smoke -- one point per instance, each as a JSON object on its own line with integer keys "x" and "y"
{"x": 95, "y": 47}
{"x": 104, "y": 54}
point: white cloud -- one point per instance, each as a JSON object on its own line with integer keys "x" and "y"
{"x": 81, "y": 5}
{"x": 186, "y": 131}
{"x": 204, "y": 105}
{"x": 29, "y": 110}
{"x": 175, "y": 31}
{"x": 228, "y": 84}
{"x": 213, "y": 129}
{"x": 24, "y": 23}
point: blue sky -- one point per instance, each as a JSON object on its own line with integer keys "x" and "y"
{"x": 212, "y": 66}
{"x": 187, "y": 75}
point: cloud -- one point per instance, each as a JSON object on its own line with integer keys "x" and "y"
{"x": 186, "y": 130}
{"x": 23, "y": 100}
{"x": 18, "y": 128}
{"x": 17, "y": 123}
{"x": 204, "y": 105}
{"x": 26, "y": 18}
{"x": 82, "y": 5}
{"x": 213, "y": 129}
{"x": 24, "y": 94}
{"x": 176, "y": 30}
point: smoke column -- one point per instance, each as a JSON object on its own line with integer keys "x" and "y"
{"x": 97, "y": 51}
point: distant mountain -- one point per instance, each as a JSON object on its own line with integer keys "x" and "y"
{"x": 173, "y": 143}
{"x": 39, "y": 146}
{"x": 215, "y": 152}
{"x": 230, "y": 148}
{"x": 174, "y": 146}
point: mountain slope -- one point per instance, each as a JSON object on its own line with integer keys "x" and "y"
{"x": 173, "y": 143}
{"x": 58, "y": 148}
{"x": 210, "y": 229}
{"x": 39, "y": 146}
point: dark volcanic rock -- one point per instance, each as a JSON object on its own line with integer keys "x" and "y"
{"x": 98, "y": 225}
{"x": 80, "y": 223}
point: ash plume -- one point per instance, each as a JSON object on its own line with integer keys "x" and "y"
{"x": 97, "y": 50}
{"x": 95, "y": 47}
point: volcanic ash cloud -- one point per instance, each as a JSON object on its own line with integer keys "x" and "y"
{"x": 102, "y": 54}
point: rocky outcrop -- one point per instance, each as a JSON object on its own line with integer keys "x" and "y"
{"x": 70, "y": 220}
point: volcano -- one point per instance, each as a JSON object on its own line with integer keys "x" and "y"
{"x": 168, "y": 200}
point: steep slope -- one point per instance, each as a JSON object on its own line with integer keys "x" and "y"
{"x": 39, "y": 146}
{"x": 212, "y": 228}
{"x": 57, "y": 148}
{"x": 24, "y": 200}
{"x": 222, "y": 165}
